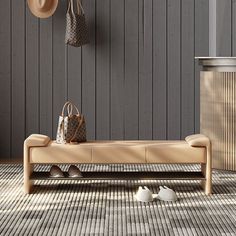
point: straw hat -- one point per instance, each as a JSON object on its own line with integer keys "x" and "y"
{"x": 42, "y": 8}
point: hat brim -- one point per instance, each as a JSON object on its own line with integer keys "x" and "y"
{"x": 42, "y": 14}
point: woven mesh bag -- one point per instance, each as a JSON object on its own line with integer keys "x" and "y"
{"x": 76, "y": 28}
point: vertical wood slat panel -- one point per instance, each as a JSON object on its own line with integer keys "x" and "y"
{"x": 218, "y": 116}
{"x": 223, "y": 29}
{"x": 145, "y": 69}
{"x": 233, "y": 33}
{"x": 174, "y": 81}
{"x": 45, "y": 77}
{"x": 201, "y": 49}
{"x": 59, "y": 63}
{"x": 212, "y": 28}
{"x": 74, "y": 76}
{"x": 159, "y": 69}
{"x": 123, "y": 93}
{"x": 18, "y": 78}
{"x": 117, "y": 69}
{"x": 131, "y": 69}
{"x": 5, "y": 78}
{"x": 32, "y": 73}
{"x": 103, "y": 69}
{"x": 187, "y": 68}
{"x": 88, "y": 71}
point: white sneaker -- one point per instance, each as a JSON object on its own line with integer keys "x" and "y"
{"x": 166, "y": 194}
{"x": 144, "y": 194}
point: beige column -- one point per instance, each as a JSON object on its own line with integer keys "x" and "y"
{"x": 218, "y": 116}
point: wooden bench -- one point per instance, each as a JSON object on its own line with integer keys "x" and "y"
{"x": 40, "y": 149}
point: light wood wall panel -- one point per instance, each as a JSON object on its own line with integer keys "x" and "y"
{"x": 137, "y": 78}
{"x": 218, "y": 116}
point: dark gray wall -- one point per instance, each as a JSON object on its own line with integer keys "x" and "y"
{"x": 137, "y": 78}
{"x": 222, "y": 33}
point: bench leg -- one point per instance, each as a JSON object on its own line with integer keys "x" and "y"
{"x": 206, "y": 184}
{"x": 28, "y": 184}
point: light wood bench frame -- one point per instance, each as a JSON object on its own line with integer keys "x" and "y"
{"x": 197, "y": 140}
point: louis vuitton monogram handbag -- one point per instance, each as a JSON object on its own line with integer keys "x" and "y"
{"x": 71, "y": 127}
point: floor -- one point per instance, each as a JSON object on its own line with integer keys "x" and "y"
{"x": 109, "y": 207}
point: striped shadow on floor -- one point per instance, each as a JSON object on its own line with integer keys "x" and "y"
{"x": 109, "y": 207}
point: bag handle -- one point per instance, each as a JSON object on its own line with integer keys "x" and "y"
{"x": 69, "y": 109}
{"x": 63, "y": 109}
{"x": 70, "y": 106}
{"x": 80, "y": 123}
{"x": 71, "y": 6}
{"x": 79, "y": 6}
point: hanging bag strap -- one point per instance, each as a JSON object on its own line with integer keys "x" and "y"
{"x": 70, "y": 7}
{"x": 79, "y": 7}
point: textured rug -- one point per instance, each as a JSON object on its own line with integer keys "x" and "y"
{"x": 109, "y": 207}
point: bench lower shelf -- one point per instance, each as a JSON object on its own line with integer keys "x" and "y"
{"x": 92, "y": 175}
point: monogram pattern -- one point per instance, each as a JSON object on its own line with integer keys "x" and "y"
{"x": 76, "y": 131}
{"x": 71, "y": 129}
{"x": 81, "y": 133}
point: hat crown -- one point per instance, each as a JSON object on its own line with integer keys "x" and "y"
{"x": 42, "y": 8}
{"x": 43, "y": 4}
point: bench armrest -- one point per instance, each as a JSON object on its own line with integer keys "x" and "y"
{"x": 37, "y": 140}
{"x": 34, "y": 140}
{"x": 198, "y": 140}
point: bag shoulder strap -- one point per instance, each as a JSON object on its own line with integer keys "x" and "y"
{"x": 71, "y": 6}
{"x": 79, "y": 6}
